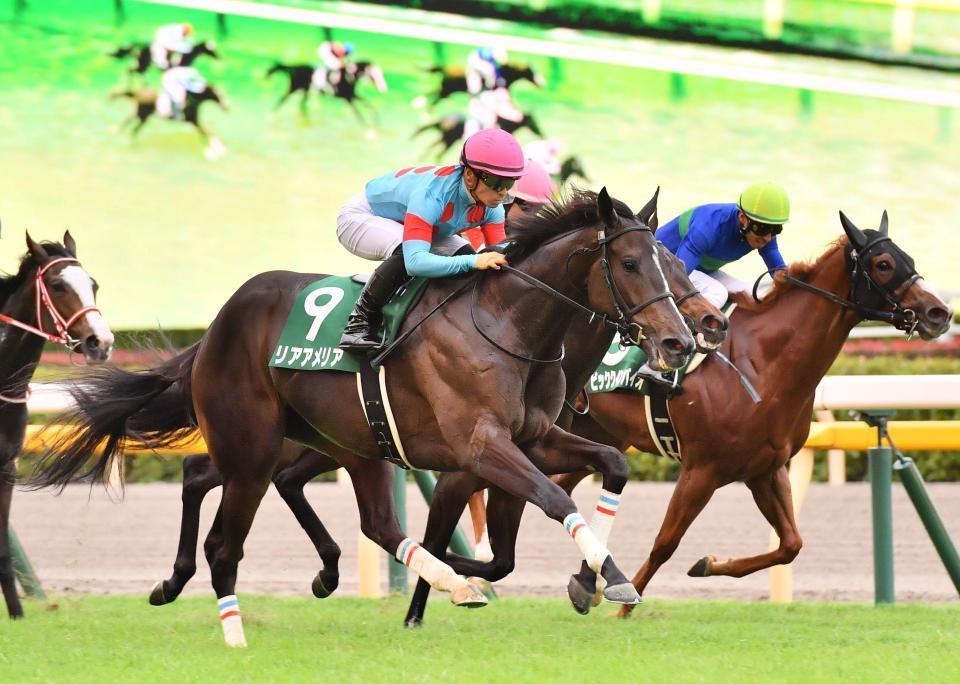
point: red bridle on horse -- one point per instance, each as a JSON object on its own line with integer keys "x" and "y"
{"x": 62, "y": 325}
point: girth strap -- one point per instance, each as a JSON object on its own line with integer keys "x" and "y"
{"x": 376, "y": 407}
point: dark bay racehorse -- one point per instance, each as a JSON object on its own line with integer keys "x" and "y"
{"x": 50, "y": 298}
{"x": 140, "y": 53}
{"x": 301, "y": 80}
{"x": 451, "y": 129}
{"x": 454, "y": 80}
{"x": 298, "y": 464}
{"x": 490, "y": 410}
{"x": 145, "y": 106}
{"x": 724, "y": 436}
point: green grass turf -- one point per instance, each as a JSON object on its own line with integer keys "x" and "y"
{"x": 170, "y": 235}
{"x": 97, "y": 639}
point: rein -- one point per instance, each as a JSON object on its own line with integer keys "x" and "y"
{"x": 624, "y": 311}
{"x": 900, "y": 318}
{"x": 45, "y": 301}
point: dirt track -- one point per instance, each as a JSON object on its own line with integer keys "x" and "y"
{"x": 83, "y": 543}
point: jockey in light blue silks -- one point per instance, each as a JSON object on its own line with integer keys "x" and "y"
{"x": 412, "y": 219}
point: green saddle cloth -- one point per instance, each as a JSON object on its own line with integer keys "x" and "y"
{"x": 618, "y": 370}
{"x": 310, "y": 337}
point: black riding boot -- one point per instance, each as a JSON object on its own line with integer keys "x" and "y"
{"x": 362, "y": 332}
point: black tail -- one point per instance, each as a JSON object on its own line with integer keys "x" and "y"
{"x": 151, "y": 408}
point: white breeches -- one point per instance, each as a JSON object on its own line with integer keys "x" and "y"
{"x": 717, "y": 286}
{"x": 374, "y": 237}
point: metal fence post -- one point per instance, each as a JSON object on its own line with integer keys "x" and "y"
{"x": 913, "y": 483}
{"x": 22, "y": 568}
{"x": 881, "y": 474}
{"x": 397, "y": 570}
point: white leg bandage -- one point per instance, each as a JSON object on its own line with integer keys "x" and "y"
{"x": 231, "y": 621}
{"x": 438, "y": 574}
{"x": 593, "y": 550}
{"x": 604, "y": 514}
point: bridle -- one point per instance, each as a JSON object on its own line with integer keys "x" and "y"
{"x": 624, "y": 311}
{"x": 860, "y": 280}
{"x": 45, "y": 302}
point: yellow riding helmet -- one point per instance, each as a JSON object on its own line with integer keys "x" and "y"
{"x": 766, "y": 202}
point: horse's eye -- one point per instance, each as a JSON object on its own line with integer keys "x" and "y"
{"x": 59, "y": 288}
{"x": 629, "y": 265}
{"x": 884, "y": 266}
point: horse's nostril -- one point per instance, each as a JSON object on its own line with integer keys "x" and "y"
{"x": 91, "y": 342}
{"x": 713, "y": 323}
{"x": 938, "y": 315}
{"x": 678, "y": 346}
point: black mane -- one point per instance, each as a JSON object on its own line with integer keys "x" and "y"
{"x": 577, "y": 210}
{"x": 28, "y": 264}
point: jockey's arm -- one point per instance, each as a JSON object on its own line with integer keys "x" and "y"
{"x": 493, "y": 230}
{"x": 771, "y": 256}
{"x": 420, "y": 261}
{"x": 474, "y": 236}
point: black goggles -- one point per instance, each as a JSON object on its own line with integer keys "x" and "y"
{"x": 496, "y": 183}
{"x": 764, "y": 229}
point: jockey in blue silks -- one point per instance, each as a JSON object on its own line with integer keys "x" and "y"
{"x": 710, "y": 236}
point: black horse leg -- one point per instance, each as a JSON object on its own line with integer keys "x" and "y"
{"x": 289, "y": 483}
{"x": 8, "y": 581}
{"x": 561, "y": 452}
{"x": 199, "y": 477}
{"x": 556, "y": 452}
{"x": 503, "y": 523}
{"x": 303, "y": 103}
{"x": 449, "y": 498}
{"x": 357, "y": 113}
{"x": 372, "y": 484}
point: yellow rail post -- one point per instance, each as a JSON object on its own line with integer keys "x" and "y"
{"x": 781, "y": 576}
{"x": 836, "y": 458}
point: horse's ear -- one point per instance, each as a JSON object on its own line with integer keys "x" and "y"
{"x": 605, "y": 209}
{"x": 39, "y": 253}
{"x": 70, "y": 244}
{"x": 648, "y": 215}
{"x": 857, "y": 238}
{"x": 883, "y": 224}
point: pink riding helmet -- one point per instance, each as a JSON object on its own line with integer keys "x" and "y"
{"x": 495, "y": 151}
{"x": 536, "y": 185}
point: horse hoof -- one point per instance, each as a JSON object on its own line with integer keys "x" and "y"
{"x": 468, "y": 595}
{"x": 581, "y": 597}
{"x": 413, "y": 623}
{"x": 702, "y": 567}
{"x": 320, "y": 590}
{"x": 624, "y": 594}
{"x": 156, "y": 595}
